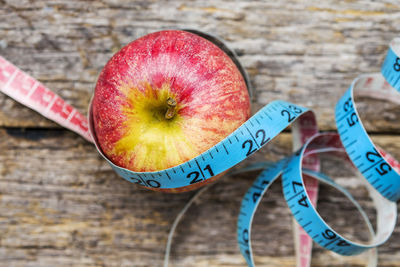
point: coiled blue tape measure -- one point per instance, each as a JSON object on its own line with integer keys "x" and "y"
{"x": 360, "y": 148}
{"x": 381, "y": 174}
{"x": 297, "y": 199}
{"x": 258, "y": 189}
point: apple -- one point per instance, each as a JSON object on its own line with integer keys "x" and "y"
{"x": 165, "y": 98}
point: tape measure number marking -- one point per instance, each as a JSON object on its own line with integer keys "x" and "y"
{"x": 391, "y": 65}
{"x": 249, "y": 205}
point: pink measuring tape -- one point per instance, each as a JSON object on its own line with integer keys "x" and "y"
{"x": 31, "y": 93}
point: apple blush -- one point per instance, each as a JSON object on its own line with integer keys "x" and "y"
{"x": 164, "y": 99}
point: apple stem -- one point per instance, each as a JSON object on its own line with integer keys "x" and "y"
{"x": 171, "y": 104}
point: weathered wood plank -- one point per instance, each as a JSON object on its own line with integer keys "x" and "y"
{"x": 294, "y": 50}
{"x": 61, "y": 204}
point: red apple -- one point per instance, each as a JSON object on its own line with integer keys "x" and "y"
{"x": 165, "y": 98}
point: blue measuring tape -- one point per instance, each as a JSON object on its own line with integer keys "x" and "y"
{"x": 306, "y": 215}
{"x": 391, "y": 65}
{"x": 260, "y": 129}
{"x": 360, "y": 148}
{"x": 383, "y": 178}
{"x": 254, "y": 195}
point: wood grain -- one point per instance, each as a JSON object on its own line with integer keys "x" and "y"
{"x": 293, "y": 50}
{"x": 62, "y": 205}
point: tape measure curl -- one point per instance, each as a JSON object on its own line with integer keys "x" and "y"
{"x": 378, "y": 167}
{"x": 299, "y": 204}
{"x": 256, "y": 192}
{"x": 359, "y": 147}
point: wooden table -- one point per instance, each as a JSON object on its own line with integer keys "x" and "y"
{"x": 62, "y": 205}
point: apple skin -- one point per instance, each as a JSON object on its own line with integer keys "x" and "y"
{"x": 130, "y": 102}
